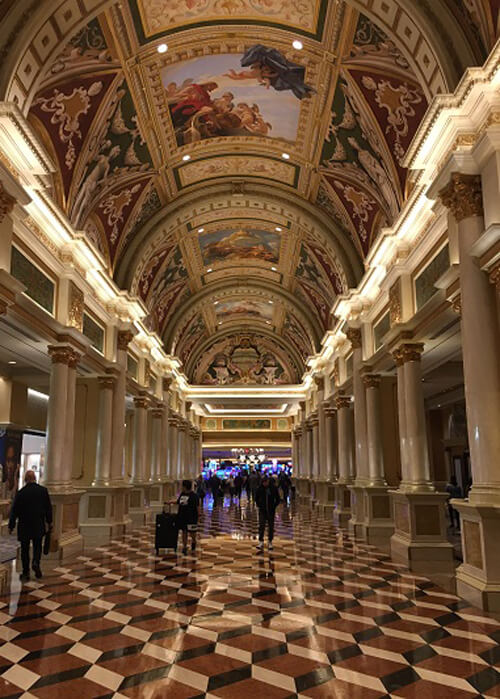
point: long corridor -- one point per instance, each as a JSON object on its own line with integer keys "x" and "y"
{"x": 320, "y": 616}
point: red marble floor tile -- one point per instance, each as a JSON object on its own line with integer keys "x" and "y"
{"x": 467, "y": 645}
{"x": 431, "y": 690}
{"x": 52, "y": 664}
{"x": 129, "y": 665}
{"x": 41, "y": 642}
{"x": 370, "y": 665}
{"x": 111, "y": 641}
{"x": 346, "y": 626}
{"x": 250, "y": 689}
{"x": 323, "y": 644}
{"x": 79, "y": 688}
{"x": 211, "y": 664}
{"x": 451, "y": 666}
{"x": 99, "y": 624}
{"x": 291, "y": 665}
{"x": 162, "y": 689}
{"x": 338, "y": 689}
{"x": 393, "y": 644}
{"x": 180, "y": 641}
{"x": 251, "y": 642}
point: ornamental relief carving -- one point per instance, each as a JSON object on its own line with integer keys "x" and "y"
{"x": 354, "y": 337}
{"x": 7, "y": 203}
{"x": 63, "y": 355}
{"x": 463, "y": 196}
{"x": 75, "y": 307}
{"x": 395, "y": 303}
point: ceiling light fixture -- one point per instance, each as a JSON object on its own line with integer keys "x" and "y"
{"x": 274, "y": 269}
{"x": 286, "y": 156}
{"x": 268, "y": 322}
{"x": 186, "y": 157}
{"x": 12, "y": 362}
{"x": 209, "y": 269}
{"x": 200, "y": 230}
{"x": 215, "y": 303}
{"x": 271, "y": 302}
{"x": 297, "y": 45}
{"x": 162, "y": 48}
{"x": 278, "y": 229}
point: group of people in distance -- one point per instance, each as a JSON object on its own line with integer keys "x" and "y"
{"x": 260, "y": 489}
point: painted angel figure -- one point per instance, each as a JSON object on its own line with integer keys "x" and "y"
{"x": 271, "y": 69}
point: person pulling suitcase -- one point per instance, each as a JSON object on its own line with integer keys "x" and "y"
{"x": 188, "y": 514}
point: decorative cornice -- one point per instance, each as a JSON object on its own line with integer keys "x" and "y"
{"x": 124, "y": 338}
{"x": 354, "y": 337}
{"x": 463, "y": 196}
{"x": 7, "y": 203}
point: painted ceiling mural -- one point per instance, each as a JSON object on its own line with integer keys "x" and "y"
{"x": 155, "y": 104}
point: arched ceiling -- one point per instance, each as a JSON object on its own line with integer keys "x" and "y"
{"x": 234, "y": 181}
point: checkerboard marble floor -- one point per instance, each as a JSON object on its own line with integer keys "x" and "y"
{"x": 321, "y": 616}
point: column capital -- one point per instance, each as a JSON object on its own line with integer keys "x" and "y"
{"x": 63, "y": 354}
{"x": 298, "y": 432}
{"x": 173, "y": 420}
{"x": 342, "y": 401}
{"x": 157, "y": 412}
{"x": 106, "y": 382}
{"x": 330, "y": 411}
{"x": 320, "y": 383}
{"x": 166, "y": 382}
{"x": 123, "y": 339}
{"x": 411, "y": 352}
{"x": 372, "y": 380}
{"x": 141, "y": 401}
{"x": 354, "y": 337}
{"x": 495, "y": 277}
{"x": 463, "y": 196}
{"x": 7, "y": 203}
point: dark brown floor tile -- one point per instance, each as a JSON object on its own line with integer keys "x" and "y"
{"x": 250, "y": 689}
{"x": 291, "y": 665}
{"x": 80, "y": 688}
{"x": 211, "y": 664}
{"x": 337, "y": 689}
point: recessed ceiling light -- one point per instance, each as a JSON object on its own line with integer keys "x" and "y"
{"x": 220, "y": 322}
{"x": 162, "y": 48}
{"x": 209, "y": 269}
{"x": 12, "y": 362}
{"x": 297, "y": 45}
{"x": 270, "y": 302}
{"x": 215, "y": 303}
{"x": 286, "y": 156}
{"x": 186, "y": 157}
{"x": 278, "y": 229}
{"x": 200, "y": 230}
{"x": 274, "y": 269}
{"x": 268, "y": 322}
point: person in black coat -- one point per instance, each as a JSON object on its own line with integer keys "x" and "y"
{"x": 267, "y": 499}
{"x": 33, "y": 511}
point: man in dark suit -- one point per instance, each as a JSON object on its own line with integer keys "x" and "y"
{"x": 33, "y": 510}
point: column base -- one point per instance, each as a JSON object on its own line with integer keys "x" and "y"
{"x": 419, "y": 540}
{"x": 378, "y": 525}
{"x": 104, "y": 514}
{"x": 304, "y": 490}
{"x": 155, "y": 499}
{"x": 342, "y": 510}
{"x": 478, "y": 578}
{"x": 138, "y": 509}
{"x": 325, "y": 491}
{"x": 356, "y": 523}
{"x": 66, "y": 540}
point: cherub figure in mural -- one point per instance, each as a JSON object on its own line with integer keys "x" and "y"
{"x": 99, "y": 170}
{"x": 271, "y": 69}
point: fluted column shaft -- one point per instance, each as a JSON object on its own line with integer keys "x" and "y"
{"x": 61, "y": 416}
{"x": 330, "y": 446}
{"x": 140, "y": 436}
{"x": 119, "y": 407}
{"x": 104, "y": 431}
{"x": 344, "y": 427}
{"x": 156, "y": 447}
{"x": 361, "y": 452}
{"x": 374, "y": 431}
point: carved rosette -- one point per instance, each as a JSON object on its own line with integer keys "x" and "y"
{"x": 354, "y": 337}
{"x": 411, "y": 352}
{"x": 64, "y": 355}
{"x": 6, "y": 203}
{"x": 463, "y": 196}
{"x": 124, "y": 338}
{"x": 395, "y": 303}
{"x": 343, "y": 402}
{"x": 371, "y": 380}
{"x": 75, "y": 307}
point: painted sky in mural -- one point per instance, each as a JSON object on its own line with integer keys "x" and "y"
{"x": 228, "y": 245}
{"x": 254, "y": 309}
{"x": 213, "y": 96}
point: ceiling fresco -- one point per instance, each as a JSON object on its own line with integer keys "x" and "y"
{"x": 234, "y": 161}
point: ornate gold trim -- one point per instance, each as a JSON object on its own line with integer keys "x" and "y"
{"x": 7, "y": 203}
{"x": 123, "y": 339}
{"x": 463, "y": 196}
{"x": 354, "y": 337}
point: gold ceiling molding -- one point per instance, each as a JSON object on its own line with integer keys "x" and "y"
{"x": 237, "y": 166}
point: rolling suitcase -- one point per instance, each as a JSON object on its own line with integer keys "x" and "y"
{"x": 166, "y": 532}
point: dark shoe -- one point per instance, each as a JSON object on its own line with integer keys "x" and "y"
{"x": 24, "y": 577}
{"x": 38, "y": 572}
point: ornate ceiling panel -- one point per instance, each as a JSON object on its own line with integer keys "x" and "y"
{"x": 236, "y": 179}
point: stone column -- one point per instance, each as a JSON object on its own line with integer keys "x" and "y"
{"x": 315, "y": 445}
{"x": 156, "y": 488}
{"x": 165, "y": 441}
{"x": 139, "y": 499}
{"x": 7, "y": 203}
{"x": 360, "y": 428}
{"x": 328, "y": 490}
{"x": 57, "y": 477}
{"x": 378, "y": 524}
{"x": 173, "y": 447}
{"x": 124, "y": 338}
{"x": 420, "y": 538}
{"x": 342, "y": 512}
{"x": 478, "y": 578}
{"x": 104, "y": 431}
